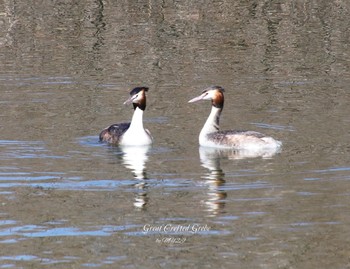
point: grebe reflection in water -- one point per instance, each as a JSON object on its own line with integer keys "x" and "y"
{"x": 135, "y": 158}
{"x": 215, "y": 179}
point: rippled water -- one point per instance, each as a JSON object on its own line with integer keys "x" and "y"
{"x": 68, "y": 201}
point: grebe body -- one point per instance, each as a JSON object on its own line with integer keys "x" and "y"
{"x": 130, "y": 133}
{"x": 211, "y": 136}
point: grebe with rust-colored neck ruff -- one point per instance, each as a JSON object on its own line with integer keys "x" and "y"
{"x": 211, "y": 136}
{"x": 130, "y": 133}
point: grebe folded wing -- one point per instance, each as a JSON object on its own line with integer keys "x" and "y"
{"x": 113, "y": 133}
{"x": 242, "y": 139}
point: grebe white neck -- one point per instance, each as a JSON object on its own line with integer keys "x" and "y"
{"x": 211, "y": 125}
{"x": 136, "y": 135}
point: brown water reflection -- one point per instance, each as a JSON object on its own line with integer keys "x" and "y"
{"x": 67, "y": 201}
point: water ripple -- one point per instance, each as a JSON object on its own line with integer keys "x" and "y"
{"x": 33, "y": 231}
{"x": 14, "y": 149}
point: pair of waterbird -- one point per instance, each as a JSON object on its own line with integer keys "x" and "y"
{"x": 134, "y": 134}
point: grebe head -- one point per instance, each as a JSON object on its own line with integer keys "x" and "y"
{"x": 137, "y": 98}
{"x": 213, "y": 93}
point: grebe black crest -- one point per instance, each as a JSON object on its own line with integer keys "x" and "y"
{"x": 130, "y": 133}
{"x": 211, "y": 136}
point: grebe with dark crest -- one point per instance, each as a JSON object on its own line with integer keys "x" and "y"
{"x": 211, "y": 136}
{"x": 130, "y": 133}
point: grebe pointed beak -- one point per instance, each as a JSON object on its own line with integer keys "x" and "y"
{"x": 198, "y": 98}
{"x": 130, "y": 100}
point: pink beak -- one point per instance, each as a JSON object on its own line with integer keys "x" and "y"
{"x": 198, "y": 98}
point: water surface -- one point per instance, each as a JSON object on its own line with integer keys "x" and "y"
{"x": 67, "y": 201}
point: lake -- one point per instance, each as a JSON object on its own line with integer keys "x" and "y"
{"x": 68, "y": 201}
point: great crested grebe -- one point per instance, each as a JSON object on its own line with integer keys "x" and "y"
{"x": 211, "y": 136}
{"x": 130, "y": 133}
